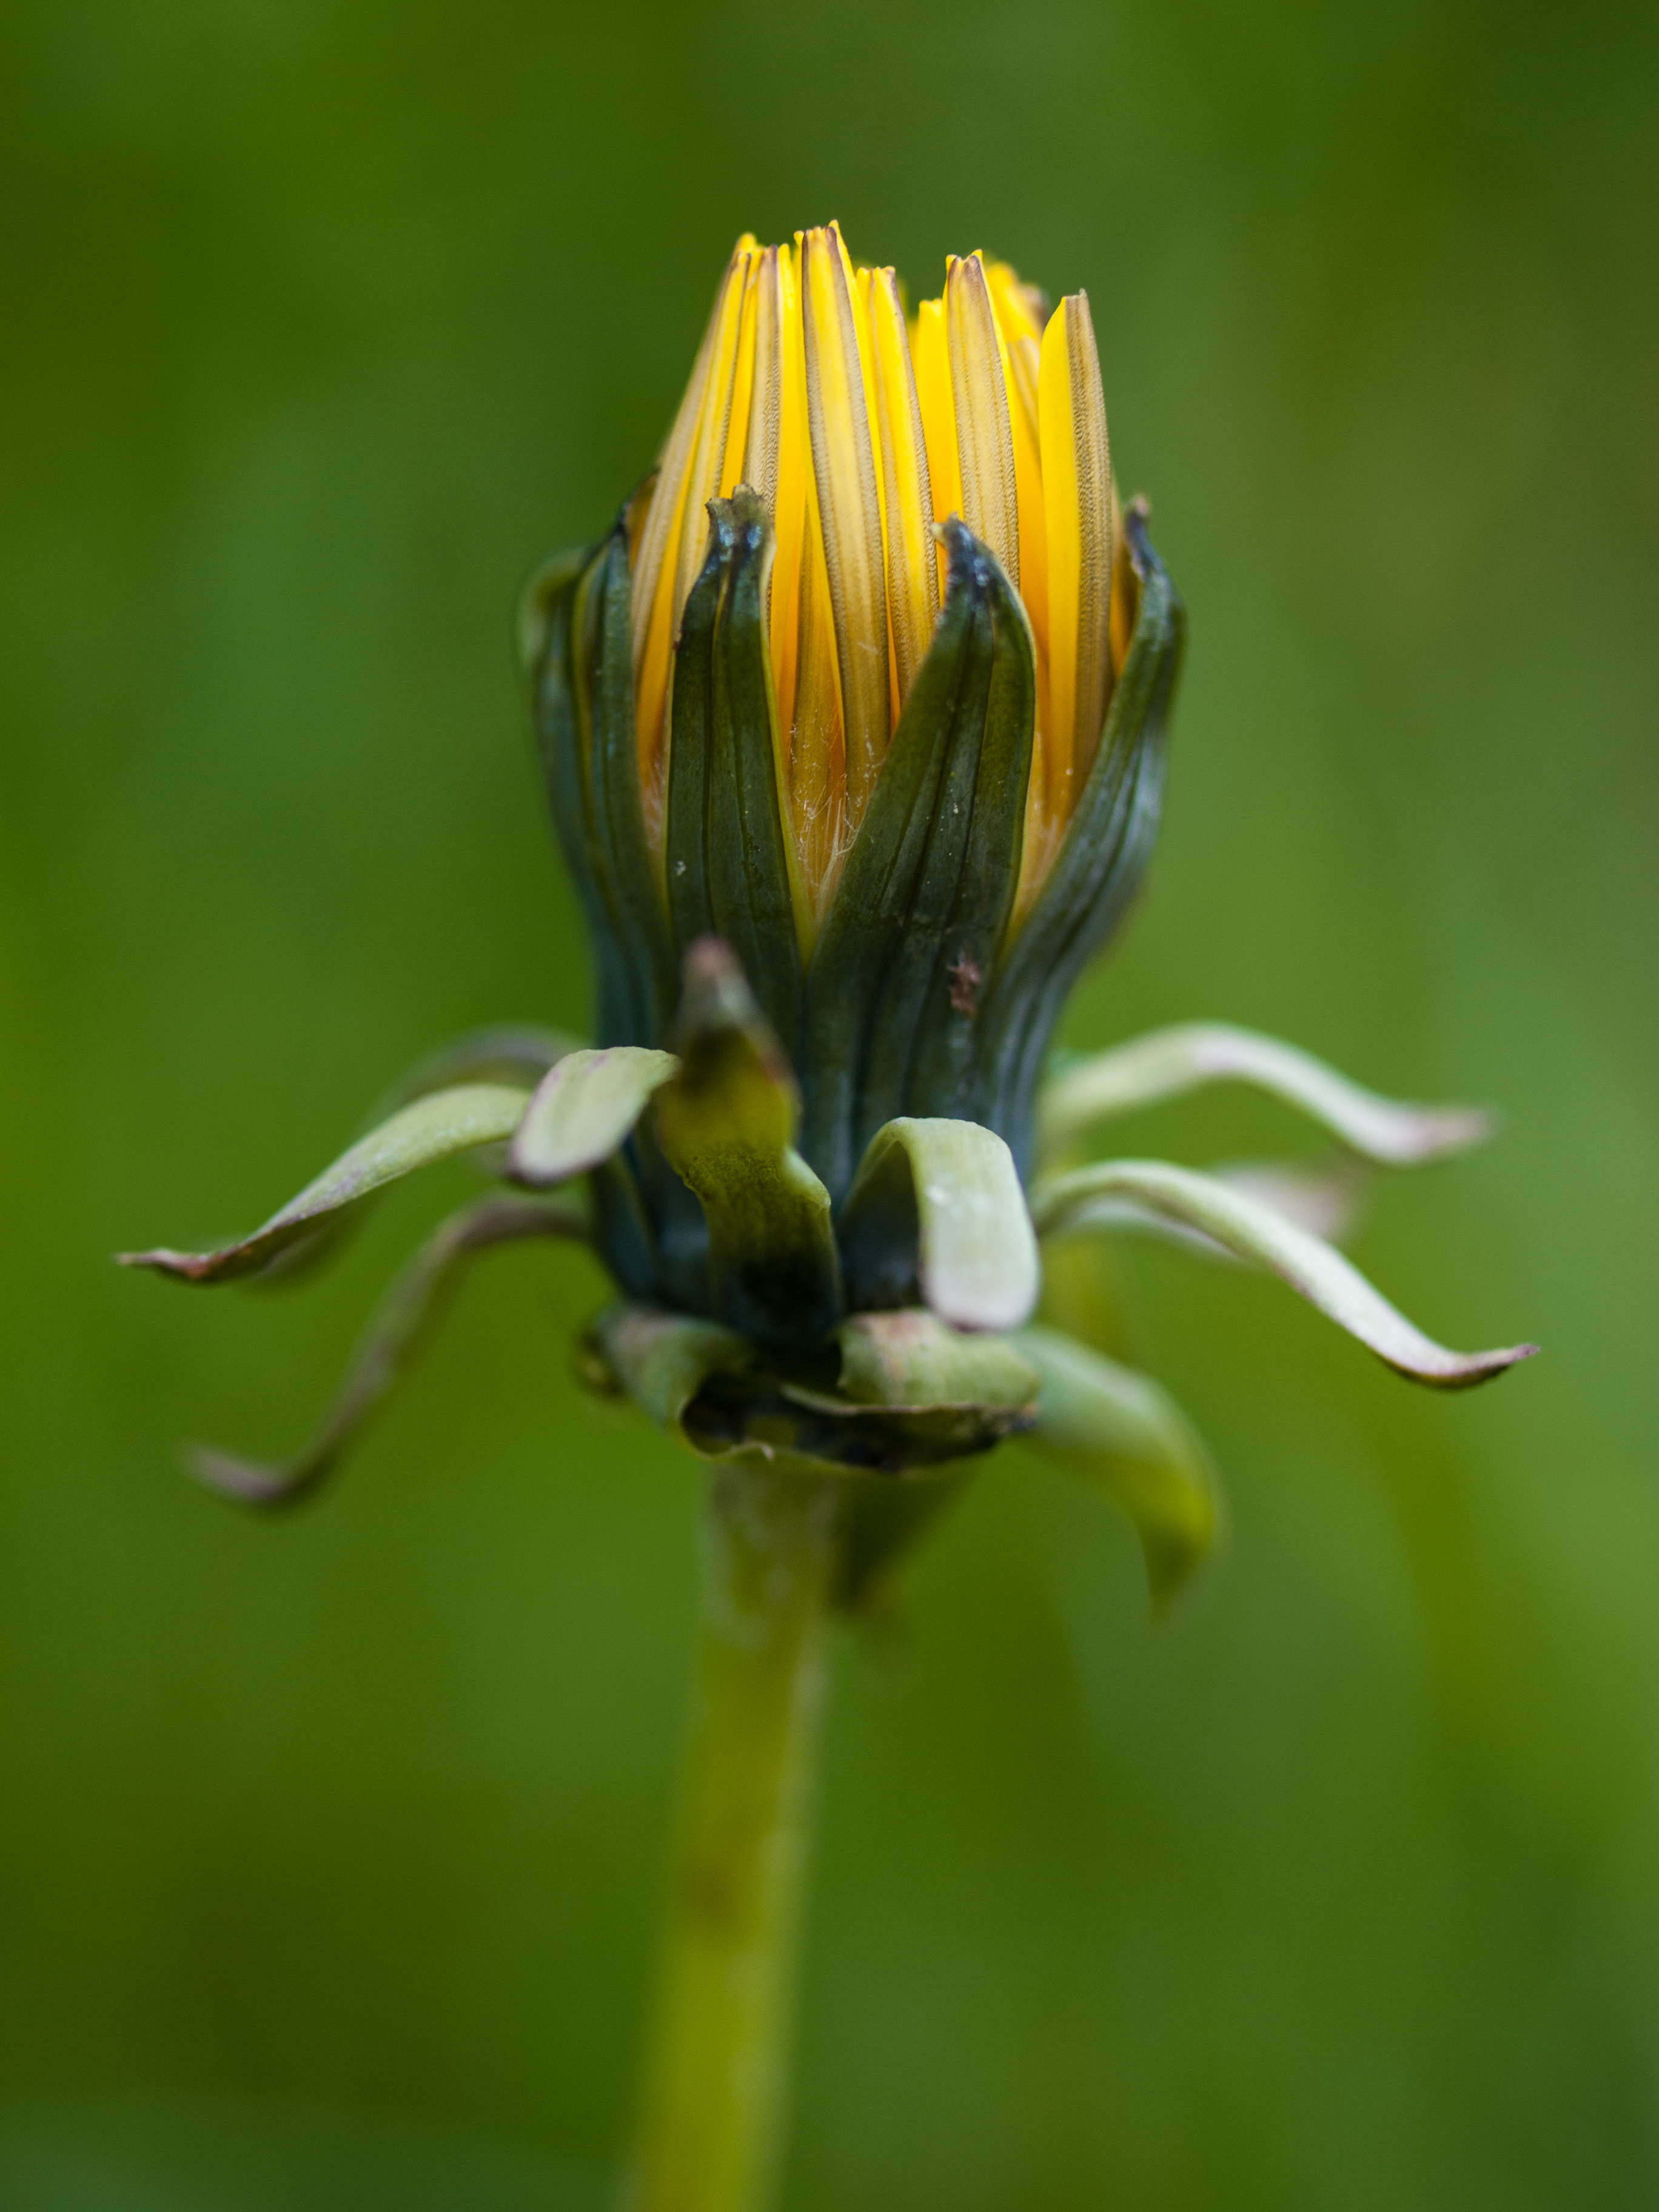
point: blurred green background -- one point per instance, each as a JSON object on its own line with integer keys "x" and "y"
{"x": 329, "y": 1849}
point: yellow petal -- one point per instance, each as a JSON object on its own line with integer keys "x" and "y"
{"x": 1020, "y": 308}
{"x": 912, "y": 562}
{"x": 863, "y": 278}
{"x": 1023, "y": 356}
{"x": 743, "y": 386}
{"x": 979, "y": 389}
{"x": 1028, "y": 483}
{"x": 1020, "y": 337}
{"x": 704, "y": 476}
{"x": 858, "y": 290}
{"x": 849, "y": 507}
{"x": 775, "y": 461}
{"x": 1020, "y": 360}
{"x": 656, "y": 560}
{"x": 930, "y": 355}
{"x": 658, "y": 537}
{"x": 1076, "y": 476}
{"x": 764, "y": 434}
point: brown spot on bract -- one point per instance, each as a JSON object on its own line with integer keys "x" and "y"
{"x": 966, "y": 976}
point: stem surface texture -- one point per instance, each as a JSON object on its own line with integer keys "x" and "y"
{"x": 711, "y": 2122}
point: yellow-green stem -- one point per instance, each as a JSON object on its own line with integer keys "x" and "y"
{"x": 714, "y": 2092}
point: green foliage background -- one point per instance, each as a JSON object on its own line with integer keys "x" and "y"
{"x": 328, "y": 1849}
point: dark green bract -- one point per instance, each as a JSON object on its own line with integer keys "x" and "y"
{"x": 918, "y": 998}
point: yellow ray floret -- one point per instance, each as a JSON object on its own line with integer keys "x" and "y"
{"x": 859, "y": 435}
{"x": 931, "y": 355}
{"x": 850, "y": 505}
{"x": 658, "y": 561}
{"x": 912, "y": 571}
{"x": 1077, "y": 471}
{"x": 775, "y": 459}
{"x": 1022, "y": 311}
{"x": 979, "y": 395}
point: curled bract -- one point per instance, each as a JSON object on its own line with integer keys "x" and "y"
{"x": 887, "y": 1339}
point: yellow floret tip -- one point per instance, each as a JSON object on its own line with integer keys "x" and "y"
{"x": 858, "y": 429}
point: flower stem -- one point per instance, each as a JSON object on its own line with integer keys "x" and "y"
{"x": 714, "y": 2092}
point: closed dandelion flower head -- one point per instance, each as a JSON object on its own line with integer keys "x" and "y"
{"x": 854, "y": 727}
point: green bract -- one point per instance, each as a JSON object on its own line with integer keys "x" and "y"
{"x": 803, "y": 1145}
